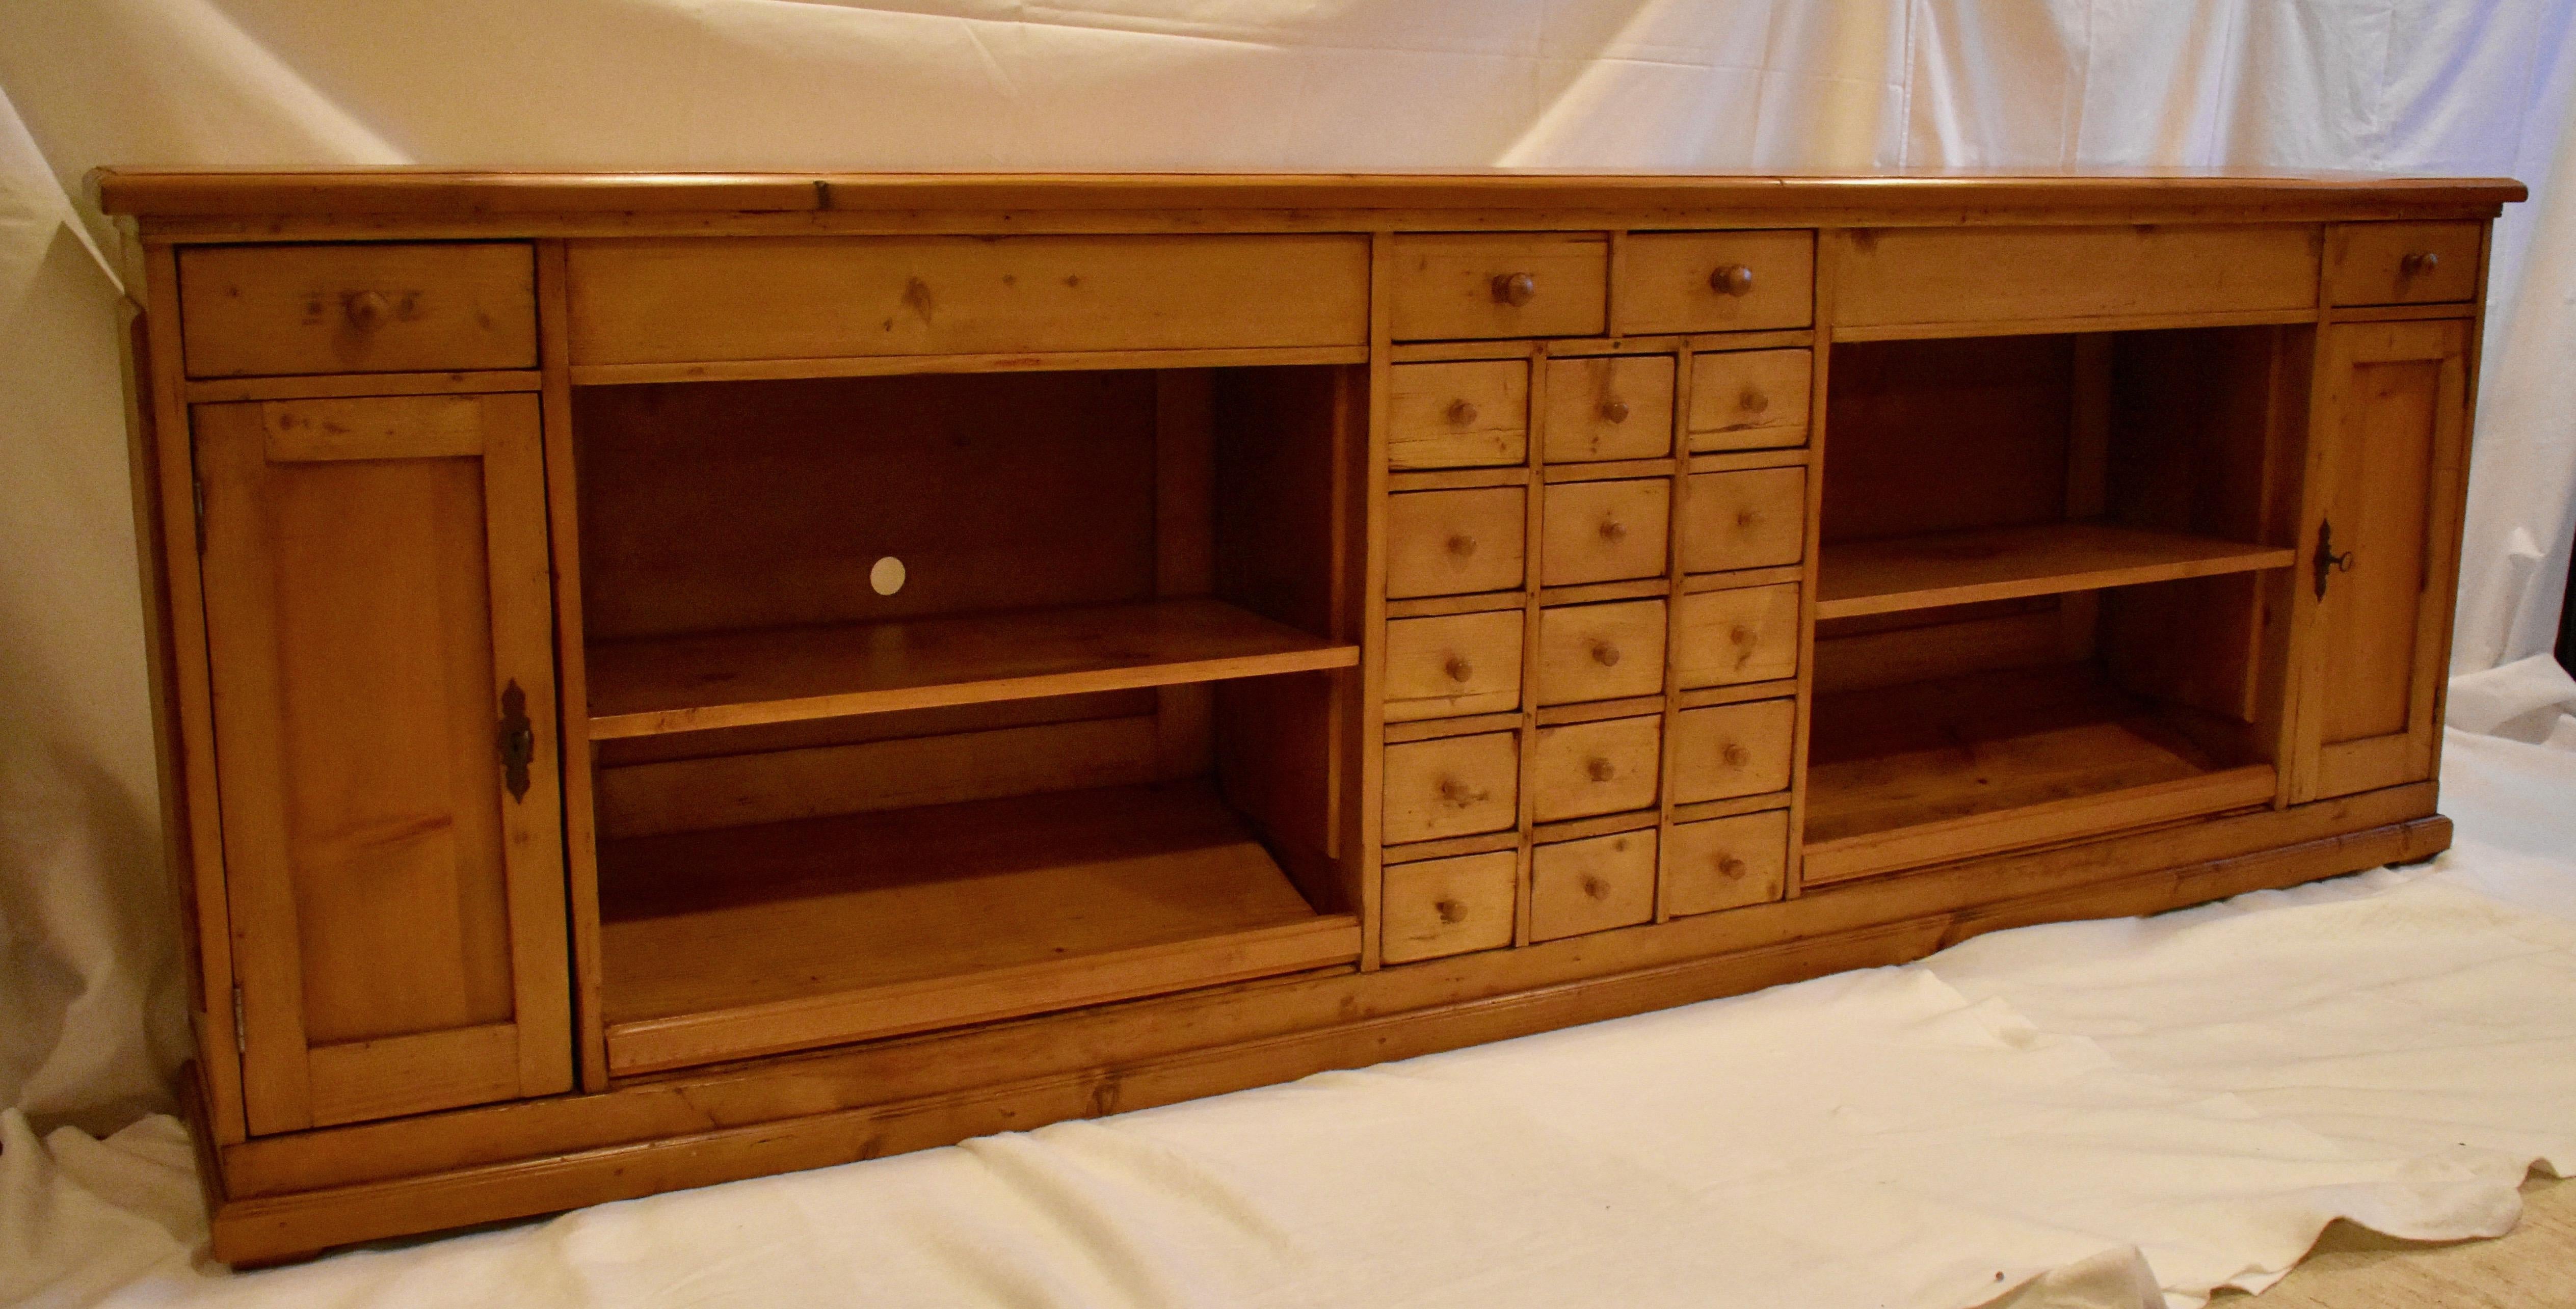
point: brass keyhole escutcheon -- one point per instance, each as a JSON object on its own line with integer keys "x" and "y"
{"x": 1514, "y": 289}
{"x": 1605, "y": 654}
{"x": 1461, "y": 413}
{"x": 1458, "y": 668}
{"x": 1602, "y": 770}
{"x": 1615, "y": 411}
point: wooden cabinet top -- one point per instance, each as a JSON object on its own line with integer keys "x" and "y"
{"x": 218, "y": 204}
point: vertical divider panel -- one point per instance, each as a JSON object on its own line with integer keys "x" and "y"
{"x": 1184, "y": 551}
{"x": 1828, "y": 275}
{"x": 1533, "y": 555}
{"x": 1366, "y": 802}
{"x": 1680, "y": 519}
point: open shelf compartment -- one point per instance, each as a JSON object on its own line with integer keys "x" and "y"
{"x": 1893, "y": 574}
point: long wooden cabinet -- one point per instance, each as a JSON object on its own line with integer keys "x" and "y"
{"x": 667, "y": 679}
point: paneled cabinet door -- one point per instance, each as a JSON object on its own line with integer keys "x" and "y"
{"x": 2381, "y": 548}
{"x": 379, "y": 624}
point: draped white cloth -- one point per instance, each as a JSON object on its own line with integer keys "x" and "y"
{"x": 89, "y": 983}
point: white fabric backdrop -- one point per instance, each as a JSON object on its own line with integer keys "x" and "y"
{"x": 88, "y": 985}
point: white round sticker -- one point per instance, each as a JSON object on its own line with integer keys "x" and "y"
{"x": 887, "y": 575}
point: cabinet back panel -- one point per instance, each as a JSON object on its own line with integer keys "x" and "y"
{"x": 718, "y": 506}
{"x": 1932, "y": 436}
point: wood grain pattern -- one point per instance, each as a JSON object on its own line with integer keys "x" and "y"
{"x": 1445, "y": 286}
{"x": 1581, "y": 769}
{"x": 2402, "y": 263}
{"x": 253, "y": 310}
{"x": 1724, "y": 751}
{"x": 1725, "y": 638}
{"x": 1605, "y": 531}
{"x": 1755, "y": 519}
{"x": 1455, "y": 542}
{"x": 1926, "y": 572}
{"x": 1435, "y": 908}
{"x": 1609, "y": 407}
{"x": 1726, "y": 863}
{"x": 1452, "y": 787}
{"x": 1749, "y": 400}
{"x": 1963, "y": 276}
{"x": 1600, "y": 652}
{"x": 1666, "y": 286}
{"x": 1470, "y": 414}
{"x": 1454, "y": 665}
{"x": 1592, "y": 885}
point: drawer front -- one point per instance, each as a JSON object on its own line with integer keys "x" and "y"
{"x": 1439, "y": 907}
{"x": 1600, "y": 652}
{"x": 1725, "y": 751}
{"x": 1749, "y": 399}
{"x": 254, "y": 311}
{"x": 1717, "y": 282}
{"x": 1606, "y": 531}
{"x": 1451, "y": 665}
{"x": 1581, "y": 769}
{"x": 1458, "y": 786}
{"x": 1455, "y": 542}
{"x": 2401, "y": 263}
{"x": 1892, "y": 276}
{"x": 1592, "y": 885}
{"x": 1461, "y": 415}
{"x": 1726, "y": 863}
{"x": 1609, "y": 408}
{"x": 1458, "y": 288}
{"x": 1754, "y": 519}
{"x": 1725, "y": 637}
{"x": 684, "y": 300}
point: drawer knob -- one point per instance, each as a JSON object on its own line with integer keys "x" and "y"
{"x": 1458, "y": 668}
{"x": 1740, "y": 634}
{"x": 1596, "y": 888}
{"x": 1747, "y": 517}
{"x": 1461, "y": 413}
{"x": 1459, "y": 793}
{"x": 1450, "y": 911}
{"x": 1605, "y": 654}
{"x": 1613, "y": 530}
{"x": 1731, "y": 279}
{"x": 1601, "y": 769}
{"x": 2418, "y": 263}
{"x": 1736, "y": 755}
{"x": 1731, "y": 868}
{"x": 1462, "y": 545}
{"x": 367, "y": 310}
{"x": 1753, "y": 401}
{"x": 1615, "y": 411}
{"x": 1514, "y": 289}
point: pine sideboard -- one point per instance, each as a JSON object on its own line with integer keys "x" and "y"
{"x": 664, "y": 679}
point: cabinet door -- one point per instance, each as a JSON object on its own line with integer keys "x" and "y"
{"x": 379, "y": 623}
{"x": 2382, "y": 549}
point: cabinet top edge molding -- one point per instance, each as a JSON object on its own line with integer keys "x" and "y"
{"x": 152, "y": 195}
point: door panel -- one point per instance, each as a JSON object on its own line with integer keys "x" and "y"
{"x": 2392, "y": 435}
{"x": 377, "y": 603}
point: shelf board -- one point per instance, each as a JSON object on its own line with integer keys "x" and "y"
{"x": 746, "y": 941}
{"x": 1949, "y": 568}
{"x": 650, "y": 686}
{"x": 1930, "y": 771}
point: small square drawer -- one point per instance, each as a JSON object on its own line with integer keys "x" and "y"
{"x": 1439, "y": 907}
{"x": 1476, "y": 287}
{"x": 1717, "y": 282}
{"x": 1724, "y": 751}
{"x": 1745, "y": 635}
{"x": 1454, "y": 664}
{"x": 1726, "y": 863}
{"x": 1455, "y": 786}
{"x": 1582, "y": 769}
{"x": 2401, "y": 263}
{"x": 270, "y": 310}
{"x": 1606, "y": 531}
{"x": 1609, "y": 408}
{"x": 1458, "y": 415}
{"x": 1600, "y": 652}
{"x": 1455, "y": 542}
{"x": 1592, "y": 885}
{"x": 1753, "y": 519}
{"x": 1749, "y": 399}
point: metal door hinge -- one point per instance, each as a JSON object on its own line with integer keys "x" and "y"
{"x": 241, "y": 1030}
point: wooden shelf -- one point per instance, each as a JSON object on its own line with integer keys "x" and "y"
{"x": 746, "y": 941}
{"x": 1949, "y": 568}
{"x": 1931, "y": 771}
{"x": 735, "y": 679}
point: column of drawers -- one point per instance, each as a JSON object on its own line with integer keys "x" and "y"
{"x": 1596, "y": 550}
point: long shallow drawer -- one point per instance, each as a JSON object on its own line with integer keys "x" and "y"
{"x": 1464, "y": 288}
{"x": 1726, "y": 863}
{"x": 1721, "y": 638}
{"x": 2401, "y": 263}
{"x": 1592, "y": 885}
{"x": 1609, "y": 408}
{"x": 1581, "y": 769}
{"x": 1717, "y": 282}
{"x": 1438, "y": 907}
{"x": 273, "y": 310}
{"x": 1725, "y": 751}
{"x": 1455, "y": 542}
{"x": 1751, "y": 519}
{"x": 692, "y": 301}
{"x": 1902, "y": 276}
{"x": 1454, "y": 786}
{"x": 1454, "y": 664}
{"x": 1458, "y": 415}
{"x": 1749, "y": 399}
{"x": 1600, "y": 652}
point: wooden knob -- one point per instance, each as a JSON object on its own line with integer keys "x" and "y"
{"x": 1753, "y": 401}
{"x": 1462, "y": 545}
{"x": 1514, "y": 289}
{"x": 1458, "y": 668}
{"x": 1450, "y": 911}
{"x": 1461, "y": 413}
{"x": 1747, "y": 517}
{"x": 1613, "y": 530}
{"x": 1601, "y": 769}
{"x": 1459, "y": 793}
{"x": 1736, "y": 755}
{"x": 367, "y": 310}
{"x": 1596, "y": 888}
{"x": 1731, "y": 868}
{"x": 1731, "y": 279}
{"x": 1605, "y": 654}
{"x": 2419, "y": 262}
{"x": 1615, "y": 411}
{"x": 1740, "y": 634}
